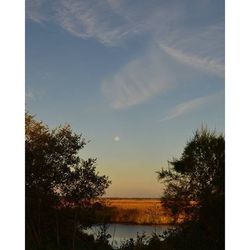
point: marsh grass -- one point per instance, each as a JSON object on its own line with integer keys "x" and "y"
{"x": 138, "y": 211}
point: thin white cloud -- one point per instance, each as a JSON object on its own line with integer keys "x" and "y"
{"x": 137, "y": 81}
{"x": 188, "y": 106}
{"x": 201, "y": 48}
{"x": 29, "y": 95}
{"x": 202, "y": 63}
{"x": 34, "y": 10}
{"x": 93, "y": 19}
{"x": 112, "y": 23}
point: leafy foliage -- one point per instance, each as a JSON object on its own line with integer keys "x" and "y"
{"x": 195, "y": 185}
{"x": 56, "y": 179}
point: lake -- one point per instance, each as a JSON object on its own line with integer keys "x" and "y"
{"x": 121, "y": 232}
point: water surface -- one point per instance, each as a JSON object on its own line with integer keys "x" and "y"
{"x": 122, "y": 232}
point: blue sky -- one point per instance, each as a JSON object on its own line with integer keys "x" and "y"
{"x": 135, "y": 77}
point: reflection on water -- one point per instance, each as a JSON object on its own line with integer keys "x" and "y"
{"x": 121, "y": 232}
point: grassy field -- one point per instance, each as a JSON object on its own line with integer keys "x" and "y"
{"x": 137, "y": 211}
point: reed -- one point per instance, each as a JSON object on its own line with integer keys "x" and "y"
{"x": 138, "y": 211}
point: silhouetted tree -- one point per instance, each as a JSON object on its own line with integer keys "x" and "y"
{"x": 195, "y": 185}
{"x": 55, "y": 179}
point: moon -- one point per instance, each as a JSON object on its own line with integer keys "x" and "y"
{"x": 116, "y": 138}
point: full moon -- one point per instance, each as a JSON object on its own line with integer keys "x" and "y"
{"x": 117, "y": 138}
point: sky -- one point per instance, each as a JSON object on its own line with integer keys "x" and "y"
{"x": 135, "y": 77}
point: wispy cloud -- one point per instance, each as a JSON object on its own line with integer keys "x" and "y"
{"x": 138, "y": 81}
{"x": 201, "y": 48}
{"x": 29, "y": 95}
{"x": 111, "y": 21}
{"x": 92, "y": 19}
{"x": 206, "y": 64}
{"x": 34, "y": 10}
{"x": 34, "y": 94}
{"x": 188, "y": 106}
{"x": 168, "y": 24}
